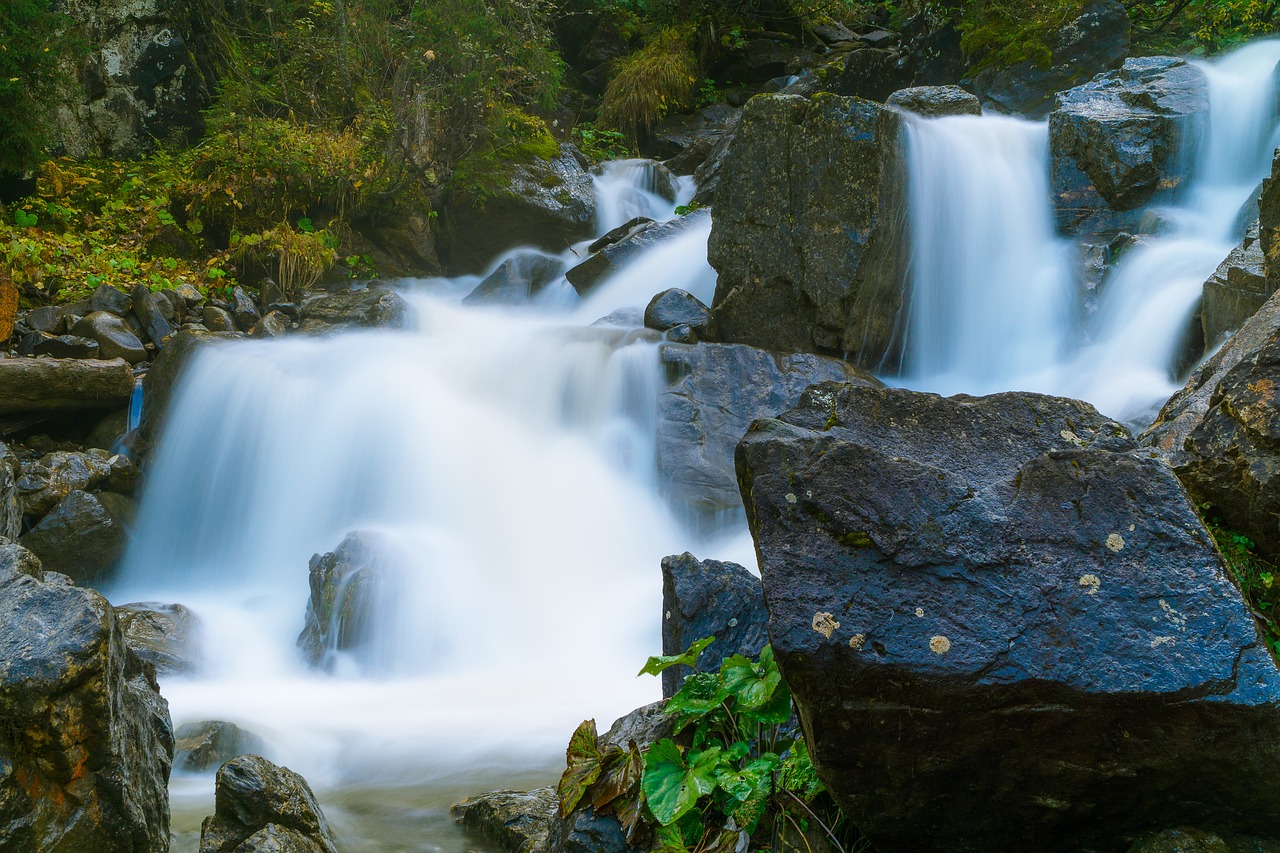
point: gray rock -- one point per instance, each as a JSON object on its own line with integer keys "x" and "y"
{"x": 190, "y": 296}
{"x": 207, "y": 745}
{"x": 807, "y": 233}
{"x": 517, "y": 280}
{"x": 10, "y": 504}
{"x": 343, "y": 585}
{"x": 514, "y": 821}
{"x": 1096, "y": 41}
{"x": 959, "y": 580}
{"x": 272, "y": 325}
{"x": 260, "y": 807}
{"x": 711, "y": 167}
{"x": 586, "y": 276}
{"x": 62, "y": 385}
{"x": 687, "y": 139}
{"x": 1194, "y": 841}
{"x": 713, "y": 392}
{"x": 109, "y": 299}
{"x": 1236, "y": 290}
{"x": 59, "y": 346}
{"x": 244, "y": 309}
{"x": 164, "y": 635}
{"x": 51, "y": 478}
{"x": 149, "y": 309}
{"x": 545, "y": 203}
{"x": 115, "y": 339}
{"x": 375, "y": 306}
{"x": 87, "y": 743}
{"x": 709, "y": 599}
{"x": 84, "y": 536}
{"x": 46, "y": 319}
{"x": 933, "y": 101}
{"x": 218, "y": 320}
{"x": 1117, "y": 139}
{"x": 675, "y": 307}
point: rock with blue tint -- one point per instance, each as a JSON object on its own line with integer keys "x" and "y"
{"x": 1005, "y": 626}
{"x": 676, "y": 307}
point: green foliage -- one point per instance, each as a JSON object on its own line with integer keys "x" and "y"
{"x": 600, "y": 145}
{"x": 36, "y": 49}
{"x": 299, "y": 257}
{"x": 517, "y": 138}
{"x": 999, "y": 33}
{"x": 1200, "y": 26}
{"x": 1255, "y": 576}
{"x": 733, "y": 769}
{"x": 660, "y": 77}
{"x": 686, "y": 209}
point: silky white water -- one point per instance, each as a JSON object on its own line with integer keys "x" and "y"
{"x": 994, "y": 302}
{"x": 504, "y": 458}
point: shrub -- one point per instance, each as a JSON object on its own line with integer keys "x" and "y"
{"x": 660, "y": 77}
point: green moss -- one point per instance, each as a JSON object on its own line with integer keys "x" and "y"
{"x": 856, "y": 539}
{"x": 1000, "y": 33}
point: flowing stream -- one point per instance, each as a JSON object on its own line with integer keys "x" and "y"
{"x": 995, "y": 302}
{"x": 505, "y": 459}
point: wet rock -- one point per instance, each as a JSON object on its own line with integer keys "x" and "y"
{"x": 138, "y": 80}
{"x": 625, "y": 231}
{"x": 218, "y": 320}
{"x": 10, "y": 505}
{"x": 682, "y": 334}
{"x": 1096, "y": 41}
{"x": 115, "y": 339}
{"x": 688, "y": 139}
{"x": 110, "y": 300}
{"x": 586, "y": 276}
{"x": 1186, "y": 410}
{"x": 713, "y": 392}
{"x": 1195, "y": 841}
{"x": 514, "y": 821}
{"x": 623, "y": 318}
{"x": 109, "y": 430}
{"x": 1231, "y": 459}
{"x": 933, "y": 101}
{"x": 1116, "y": 140}
{"x": 87, "y": 742}
{"x": 206, "y": 745}
{"x": 62, "y": 385}
{"x": 171, "y": 307}
{"x": 806, "y": 236}
{"x": 965, "y": 579}
{"x": 1269, "y": 223}
{"x": 190, "y": 296}
{"x": 84, "y": 536}
{"x": 1236, "y": 290}
{"x": 709, "y": 172}
{"x": 260, "y": 807}
{"x": 164, "y": 635}
{"x": 675, "y": 307}
{"x": 375, "y": 306}
{"x": 244, "y": 309}
{"x": 343, "y": 584}
{"x": 516, "y": 280}
{"x": 709, "y": 599}
{"x": 59, "y": 346}
{"x": 162, "y": 379}
{"x": 55, "y": 475}
{"x": 46, "y": 319}
{"x": 150, "y": 309}
{"x": 584, "y": 831}
{"x": 546, "y": 203}
{"x": 272, "y": 325}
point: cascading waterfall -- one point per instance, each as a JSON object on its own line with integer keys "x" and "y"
{"x": 992, "y": 301}
{"x": 505, "y": 461}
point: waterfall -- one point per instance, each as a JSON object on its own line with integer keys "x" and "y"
{"x": 990, "y": 279}
{"x": 992, "y": 303}
{"x": 504, "y": 458}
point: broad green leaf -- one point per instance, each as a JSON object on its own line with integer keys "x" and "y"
{"x": 672, "y": 786}
{"x": 670, "y": 840}
{"x": 700, "y": 694}
{"x": 774, "y": 712}
{"x": 751, "y": 683}
{"x": 657, "y": 663}
{"x": 582, "y": 759}
{"x": 621, "y": 776}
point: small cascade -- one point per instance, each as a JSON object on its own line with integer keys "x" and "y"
{"x": 990, "y": 282}
{"x": 625, "y": 189}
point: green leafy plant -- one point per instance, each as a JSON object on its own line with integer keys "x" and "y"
{"x": 734, "y": 769}
{"x": 1253, "y": 574}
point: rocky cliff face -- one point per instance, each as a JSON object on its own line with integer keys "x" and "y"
{"x": 140, "y": 81}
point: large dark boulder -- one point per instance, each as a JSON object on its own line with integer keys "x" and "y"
{"x": 115, "y": 339}
{"x": 807, "y": 231}
{"x": 140, "y": 82}
{"x": 1005, "y": 627}
{"x": 86, "y": 744}
{"x": 713, "y": 392}
{"x": 343, "y": 583}
{"x": 709, "y": 599}
{"x": 547, "y": 204}
{"x": 1117, "y": 139}
{"x": 1096, "y": 41}
{"x": 84, "y": 536}
{"x": 262, "y": 808}
{"x": 30, "y": 385}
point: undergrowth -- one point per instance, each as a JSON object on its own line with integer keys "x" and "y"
{"x": 1255, "y": 576}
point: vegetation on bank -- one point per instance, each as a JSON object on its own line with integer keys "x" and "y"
{"x": 735, "y": 764}
{"x": 1257, "y": 577}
